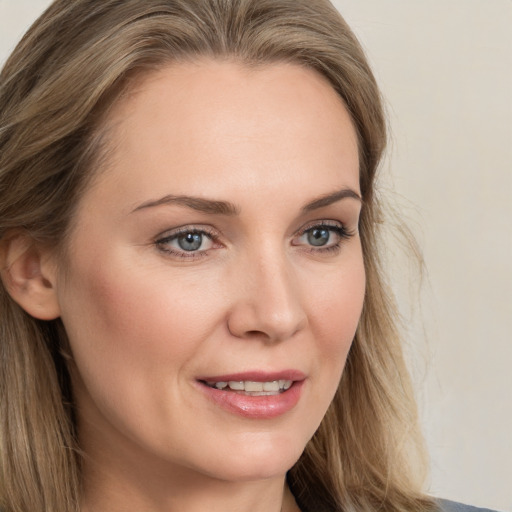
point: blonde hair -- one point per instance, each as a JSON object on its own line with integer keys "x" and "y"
{"x": 55, "y": 89}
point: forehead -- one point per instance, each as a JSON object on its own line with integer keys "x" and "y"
{"x": 198, "y": 125}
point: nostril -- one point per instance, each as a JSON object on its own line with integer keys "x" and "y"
{"x": 255, "y": 334}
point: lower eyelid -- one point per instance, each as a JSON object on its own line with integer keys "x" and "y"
{"x": 180, "y": 254}
{"x": 214, "y": 240}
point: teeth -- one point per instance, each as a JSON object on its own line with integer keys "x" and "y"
{"x": 253, "y": 386}
{"x": 271, "y": 386}
{"x": 250, "y": 386}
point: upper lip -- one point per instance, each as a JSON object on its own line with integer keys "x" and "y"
{"x": 256, "y": 376}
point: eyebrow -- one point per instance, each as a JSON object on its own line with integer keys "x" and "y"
{"x": 215, "y": 207}
{"x": 329, "y": 199}
{"x": 195, "y": 203}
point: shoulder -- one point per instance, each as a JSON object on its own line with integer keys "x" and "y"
{"x": 452, "y": 506}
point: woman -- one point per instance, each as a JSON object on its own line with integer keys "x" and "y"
{"x": 193, "y": 311}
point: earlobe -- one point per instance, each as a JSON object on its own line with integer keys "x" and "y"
{"x": 29, "y": 276}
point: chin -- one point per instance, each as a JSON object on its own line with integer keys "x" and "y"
{"x": 257, "y": 460}
{"x": 254, "y": 470}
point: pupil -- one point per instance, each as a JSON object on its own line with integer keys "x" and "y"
{"x": 318, "y": 236}
{"x": 190, "y": 241}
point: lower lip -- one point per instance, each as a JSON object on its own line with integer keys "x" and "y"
{"x": 255, "y": 407}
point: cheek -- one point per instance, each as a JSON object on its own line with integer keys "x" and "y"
{"x": 124, "y": 314}
{"x": 335, "y": 304}
{"x": 334, "y": 317}
{"x": 132, "y": 332}
{"x": 339, "y": 304}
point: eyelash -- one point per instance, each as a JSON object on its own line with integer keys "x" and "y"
{"x": 163, "y": 243}
{"x": 339, "y": 229}
{"x": 333, "y": 227}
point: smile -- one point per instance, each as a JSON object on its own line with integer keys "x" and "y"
{"x": 253, "y": 388}
{"x": 254, "y": 394}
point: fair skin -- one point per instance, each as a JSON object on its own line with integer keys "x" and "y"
{"x": 258, "y": 278}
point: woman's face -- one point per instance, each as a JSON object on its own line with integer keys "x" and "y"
{"x": 215, "y": 278}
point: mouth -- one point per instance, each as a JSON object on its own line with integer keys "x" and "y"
{"x": 251, "y": 387}
{"x": 256, "y": 395}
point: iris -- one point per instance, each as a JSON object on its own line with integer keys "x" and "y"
{"x": 318, "y": 236}
{"x": 190, "y": 241}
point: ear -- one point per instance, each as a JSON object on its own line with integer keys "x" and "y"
{"x": 29, "y": 275}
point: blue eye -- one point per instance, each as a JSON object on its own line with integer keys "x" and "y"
{"x": 186, "y": 243}
{"x": 323, "y": 237}
{"x": 190, "y": 241}
{"x": 318, "y": 236}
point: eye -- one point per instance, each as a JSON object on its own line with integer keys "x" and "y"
{"x": 186, "y": 242}
{"x": 318, "y": 236}
{"x": 190, "y": 241}
{"x": 324, "y": 236}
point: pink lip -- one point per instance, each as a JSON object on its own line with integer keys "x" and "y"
{"x": 257, "y": 376}
{"x": 255, "y": 407}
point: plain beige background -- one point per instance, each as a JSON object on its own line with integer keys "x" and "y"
{"x": 445, "y": 67}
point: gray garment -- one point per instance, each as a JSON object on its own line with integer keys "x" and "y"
{"x": 452, "y": 506}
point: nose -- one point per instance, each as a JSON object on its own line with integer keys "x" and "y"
{"x": 268, "y": 302}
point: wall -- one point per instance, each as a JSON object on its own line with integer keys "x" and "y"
{"x": 445, "y": 67}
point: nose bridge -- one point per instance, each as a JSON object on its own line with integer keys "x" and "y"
{"x": 269, "y": 301}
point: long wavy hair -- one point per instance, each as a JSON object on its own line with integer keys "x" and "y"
{"x": 56, "y": 88}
